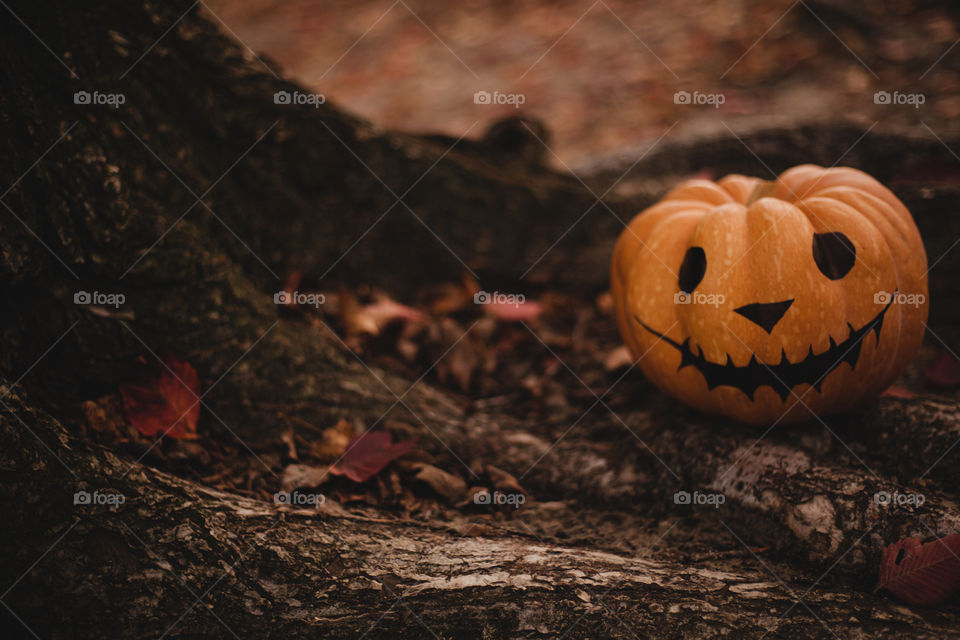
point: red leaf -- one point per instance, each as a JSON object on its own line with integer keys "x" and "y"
{"x": 164, "y": 403}
{"x": 367, "y": 455}
{"x": 895, "y": 391}
{"x": 921, "y": 574}
{"x": 514, "y": 311}
{"x": 943, "y": 371}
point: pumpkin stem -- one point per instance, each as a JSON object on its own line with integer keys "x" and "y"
{"x": 764, "y": 189}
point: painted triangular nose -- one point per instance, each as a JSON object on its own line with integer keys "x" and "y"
{"x": 765, "y": 315}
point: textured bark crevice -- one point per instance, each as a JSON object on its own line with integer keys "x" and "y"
{"x": 179, "y": 558}
{"x": 601, "y": 543}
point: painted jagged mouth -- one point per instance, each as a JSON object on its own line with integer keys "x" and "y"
{"x": 785, "y": 375}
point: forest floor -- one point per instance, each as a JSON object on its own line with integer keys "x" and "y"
{"x": 602, "y": 75}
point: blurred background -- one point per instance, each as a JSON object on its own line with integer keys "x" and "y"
{"x": 603, "y": 75}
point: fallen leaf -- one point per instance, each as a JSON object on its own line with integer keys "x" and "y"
{"x": 355, "y": 322}
{"x": 333, "y": 441}
{"x": 514, "y": 311}
{"x": 921, "y": 573}
{"x": 105, "y": 418}
{"x": 408, "y": 349}
{"x": 451, "y": 487}
{"x": 451, "y": 298}
{"x": 287, "y": 439}
{"x": 503, "y": 481}
{"x": 461, "y": 359}
{"x": 604, "y": 302}
{"x": 367, "y": 455}
{"x": 372, "y": 318}
{"x": 895, "y": 391}
{"x": 296, "y": 476}
{"x": 617, "y": 359}
{"x": 290, "y": 286}
{"x": 384, "y": 311}
{"x": 165, "y": 401}
{"x": 943, "y": 371}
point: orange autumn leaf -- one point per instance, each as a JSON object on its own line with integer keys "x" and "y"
{"x": 165, "y": 400}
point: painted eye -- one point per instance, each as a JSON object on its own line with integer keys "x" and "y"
{"x": 692, "y": 268}
{"x": 834, "y": 254}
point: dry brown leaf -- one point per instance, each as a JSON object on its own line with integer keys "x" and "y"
{"x": 296, "y": 476}
{"x": 461, "y": 359}
{"x": 408, "y": 349}
{"x": 604, "y": 303}
{"x": 452, "y": 298}
{"x": 287, "y": 439}
{"x": 372, "y": 318}
{"x": 617, "y": 359}
{"x": 451, "y": 487}
{"x": 503, "y": 481}
{"x": 355, "y": 321}
{"x": 333, "y": 441}
{"x": 105, "y": 418}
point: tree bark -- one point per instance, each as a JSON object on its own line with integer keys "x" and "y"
{"x": 177, "y": 559}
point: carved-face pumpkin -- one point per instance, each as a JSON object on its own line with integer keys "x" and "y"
{"x": 767, "y": 302}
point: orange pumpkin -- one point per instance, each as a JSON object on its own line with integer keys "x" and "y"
{"x": 771, "y": 302}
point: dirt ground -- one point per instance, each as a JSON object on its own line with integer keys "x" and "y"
{"x": 603, "y": 75}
